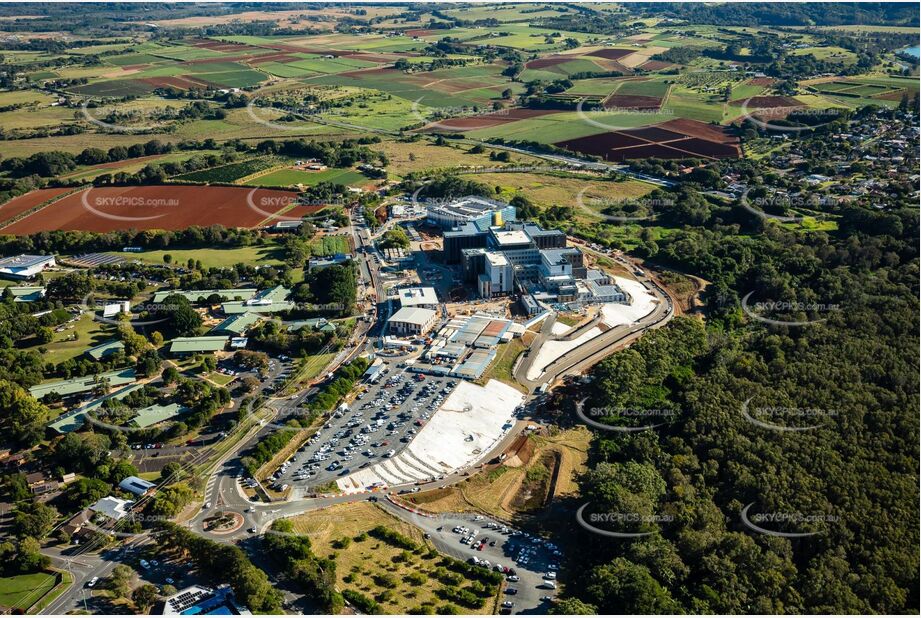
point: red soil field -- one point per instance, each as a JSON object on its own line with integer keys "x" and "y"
{"x": 658, "y": 151}
{"x": 175, "y": 81}
{"x": 218, "y": 59}
{"x": 666, "y": 140}
{"x": 655, "y": 134}
{"x": 655, "y": 65}
{"x": 542, "y": 63}
{"x": 614, "y": 65}
{"x": 695, "y": 128}
{"x": 612, "y": 54}
{"x": 768, "y": 101}
{"x": 470, "y": 123}
{"x": 632, "y": 101}
{"x": 21, "y": 204}
{"x": 891, "y": 96}
{"x": 419, "y": 32}
{"x": 170, "y": 207}
{"x": 279, "y": 57}
{"x": 762, "y": 81}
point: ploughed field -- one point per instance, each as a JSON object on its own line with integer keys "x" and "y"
{"x": 166, "y": 207}
{"x": 674, "y": 139}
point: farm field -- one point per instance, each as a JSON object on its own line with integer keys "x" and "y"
{"x": 288, "y": 177}
{"x": 560, "y": 126}
{"x": 228, "y": 173}
{"x": 555, "y": 189}
{"x": 23, "y": 203}
{"x": 154, "y": 207}
{"x": 213, "y": 258}
{"x": 675, "y": 139}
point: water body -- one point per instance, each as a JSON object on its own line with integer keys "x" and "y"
{"x": 913, "y": 51}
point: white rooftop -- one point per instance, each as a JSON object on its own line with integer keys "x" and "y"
{"x": 511, "y": 237}
{"x": 496, "y": 259}
{"x": 413, "y": 315}
{"x": 411, "y": 297}
{"x": 112, "y": 507}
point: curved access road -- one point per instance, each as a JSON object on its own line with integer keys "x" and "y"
{"x": 597, "y": 348}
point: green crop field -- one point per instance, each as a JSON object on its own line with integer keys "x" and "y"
{"x": 228, "y": 173}
{"x": 287, "y": 177}
{"x": 646, "y": 88}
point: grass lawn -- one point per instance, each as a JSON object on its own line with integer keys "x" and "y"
{"x": 501, "y": 368}
{"x": 22, "y": 591}
{"x": 220, "y": 379}
{"x": 286, "y": 177}
{"x": 264, "y": 255}
{"x": 88, "y": 331}
{"x": 365, "y": 565}
{"x": 549, "y": 189}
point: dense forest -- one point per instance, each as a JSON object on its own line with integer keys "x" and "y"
{"x": 788, "y": 13}
{"x": 841, "y": 488}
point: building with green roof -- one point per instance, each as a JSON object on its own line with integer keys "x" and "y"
{"x": 84, "y": 384}
{"x": 256, "y": 306}
{"x": 198, "y": 345}
{"x": 195, "y": 296}
{"x": 76, "y": 418}
{"x": 151, "y": 415}
{"x": 238, "y": 324}
{"x": 27, "y": 293}
{"x": 105, "y": 349}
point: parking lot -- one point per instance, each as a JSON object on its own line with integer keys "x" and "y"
{"x": 529, "y": 562}
{"x": 381, "y": 421}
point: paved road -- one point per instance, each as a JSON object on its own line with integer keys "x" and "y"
{"x": 597, "y": 348}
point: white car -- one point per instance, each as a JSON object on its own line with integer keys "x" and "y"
{"x": 550, "y": 575}
{"x": 92, "y": 582}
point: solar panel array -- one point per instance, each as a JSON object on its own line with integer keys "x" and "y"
{"x": 89, "y": 260}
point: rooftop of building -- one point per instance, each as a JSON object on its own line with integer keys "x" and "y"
{"x": 208, "y": 343}
{"x": 413, "y": 315}
{"x": 24, "y": 261}
{"x": 506, "y": 238}
{"x": 558, "y": 256}
{"x": 410, "y": 297}
{"x": 496, "y": 259}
